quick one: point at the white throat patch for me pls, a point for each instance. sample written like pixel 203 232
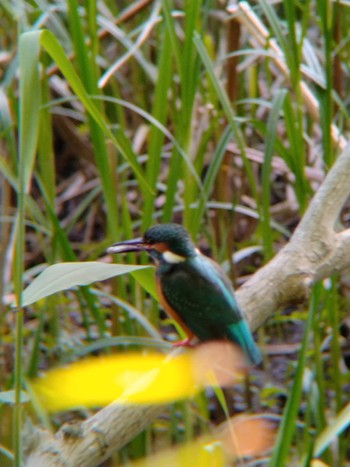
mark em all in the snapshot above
pixel 173 258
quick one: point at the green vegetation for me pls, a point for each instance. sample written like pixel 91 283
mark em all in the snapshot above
pixel 118 115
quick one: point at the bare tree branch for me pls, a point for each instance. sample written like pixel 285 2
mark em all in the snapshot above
pixel 314 252
pixel 90 442
pixel 327 203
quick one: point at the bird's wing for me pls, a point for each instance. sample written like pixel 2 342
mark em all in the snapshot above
pixel 201 294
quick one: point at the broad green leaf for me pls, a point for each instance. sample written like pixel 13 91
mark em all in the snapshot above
pixel 146 277
pixel 63 276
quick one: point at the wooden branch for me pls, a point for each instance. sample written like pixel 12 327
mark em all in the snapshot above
pixel 315 251
pixel 90 442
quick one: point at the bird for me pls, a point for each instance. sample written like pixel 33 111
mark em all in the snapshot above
pixel 193 289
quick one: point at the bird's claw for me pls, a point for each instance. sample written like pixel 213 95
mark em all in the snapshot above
pixel 188 342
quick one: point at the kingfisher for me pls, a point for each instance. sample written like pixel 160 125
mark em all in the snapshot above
pixel 193 289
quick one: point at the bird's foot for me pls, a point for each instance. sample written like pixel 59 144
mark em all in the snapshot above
pixel 188 342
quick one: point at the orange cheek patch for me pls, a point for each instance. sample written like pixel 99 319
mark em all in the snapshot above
pixel 161 247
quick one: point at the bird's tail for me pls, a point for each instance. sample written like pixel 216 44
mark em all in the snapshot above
pixel 240 334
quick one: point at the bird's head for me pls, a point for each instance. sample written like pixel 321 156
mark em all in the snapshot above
pixel 169 243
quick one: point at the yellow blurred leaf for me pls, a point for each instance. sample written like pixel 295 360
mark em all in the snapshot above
pixel 250 435
pixel 151 378
pixel 200 453
pixel 131 378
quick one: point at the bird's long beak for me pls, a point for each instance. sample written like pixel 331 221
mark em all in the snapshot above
pixel 136 244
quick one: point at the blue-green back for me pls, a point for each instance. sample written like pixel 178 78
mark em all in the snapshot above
pixel 202 295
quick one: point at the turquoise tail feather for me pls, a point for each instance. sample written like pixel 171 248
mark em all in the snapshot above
pixel 240 334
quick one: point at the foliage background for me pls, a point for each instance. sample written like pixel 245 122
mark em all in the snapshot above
pixel 181 115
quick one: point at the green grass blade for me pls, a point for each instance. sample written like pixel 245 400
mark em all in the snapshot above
pixel 226 105
pixel 189 58
pixel 54 49
pixel 338 425
pixel 30 101
pixel 170 27
pixel 189 67
pixel 325 10
pixel 189 87
pixel 132 312
pixel 160 110
pixel 122 341
pixel 7 126
pixel 196 221
pixel 290 13
pixel 86 58
pixel 30 94
pixel 296 160
pixel 289 421
pixel 46 156
pixel 277 29
pixel 271 136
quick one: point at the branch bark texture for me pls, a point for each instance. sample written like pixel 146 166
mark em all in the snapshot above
pixel 316 250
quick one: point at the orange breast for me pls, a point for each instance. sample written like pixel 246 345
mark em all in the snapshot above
pixel 172 313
